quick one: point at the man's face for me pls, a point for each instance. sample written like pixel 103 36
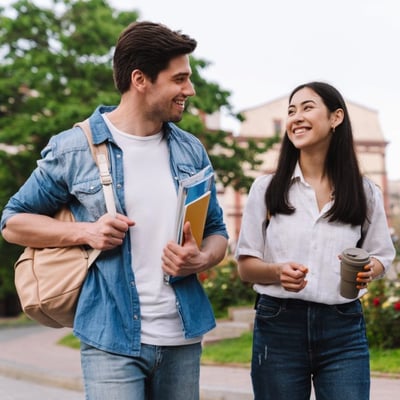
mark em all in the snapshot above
pixel 166 97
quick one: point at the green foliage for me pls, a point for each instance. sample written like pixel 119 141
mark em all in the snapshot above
pixel 55 68
pixel 229 150
pixel 225 289
pixel 382 313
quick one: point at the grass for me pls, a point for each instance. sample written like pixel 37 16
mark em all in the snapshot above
pixel 20 320
pixel 70 341
pixel 238 351
pixel 385 361
pixel 229 351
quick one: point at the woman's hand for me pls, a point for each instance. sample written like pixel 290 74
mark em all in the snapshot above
pixel 292 276
pixel 367 276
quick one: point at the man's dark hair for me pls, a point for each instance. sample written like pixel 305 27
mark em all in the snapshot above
pixel 149 47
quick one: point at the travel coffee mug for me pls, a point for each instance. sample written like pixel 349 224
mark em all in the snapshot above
pixel 353 261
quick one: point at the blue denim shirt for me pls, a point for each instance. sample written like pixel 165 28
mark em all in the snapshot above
pixel 108 312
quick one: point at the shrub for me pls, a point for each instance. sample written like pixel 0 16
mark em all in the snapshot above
pixel 225 288
pixel 382 313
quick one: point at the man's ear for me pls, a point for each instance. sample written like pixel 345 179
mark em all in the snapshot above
pixel 138 79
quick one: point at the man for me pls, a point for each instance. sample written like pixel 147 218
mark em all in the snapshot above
pixel 140 338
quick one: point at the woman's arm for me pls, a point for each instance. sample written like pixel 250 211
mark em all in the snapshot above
pixel 291 276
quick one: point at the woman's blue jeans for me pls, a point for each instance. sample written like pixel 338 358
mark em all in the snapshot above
pixel 296 342
pixel 160 372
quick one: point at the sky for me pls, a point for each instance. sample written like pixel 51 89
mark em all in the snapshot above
pixel 259 50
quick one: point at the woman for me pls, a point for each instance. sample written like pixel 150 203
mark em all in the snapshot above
pixel 317 202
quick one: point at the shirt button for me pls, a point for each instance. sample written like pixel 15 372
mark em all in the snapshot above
pixel 135 317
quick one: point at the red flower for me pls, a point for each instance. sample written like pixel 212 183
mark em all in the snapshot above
pixel 202 276
pixel 376 301
pixel 397 306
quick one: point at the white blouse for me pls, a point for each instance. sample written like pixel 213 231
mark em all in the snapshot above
pixel 307 238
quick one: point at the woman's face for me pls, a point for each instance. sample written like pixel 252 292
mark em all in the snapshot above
pixel 309 122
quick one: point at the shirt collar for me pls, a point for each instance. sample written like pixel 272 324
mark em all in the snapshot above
pixel 298 174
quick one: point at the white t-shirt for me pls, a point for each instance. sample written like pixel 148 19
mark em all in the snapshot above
pixel 151 201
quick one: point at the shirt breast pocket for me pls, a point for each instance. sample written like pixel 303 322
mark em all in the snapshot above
pixel 186 170
pixel 90 195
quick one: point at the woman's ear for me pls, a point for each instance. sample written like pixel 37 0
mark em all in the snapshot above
pixel 337 118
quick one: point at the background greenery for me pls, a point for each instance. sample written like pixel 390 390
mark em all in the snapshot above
pixel 225 289
pixel 382 313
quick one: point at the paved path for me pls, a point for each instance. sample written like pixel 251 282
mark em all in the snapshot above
pixel 16 389
pixel 31 355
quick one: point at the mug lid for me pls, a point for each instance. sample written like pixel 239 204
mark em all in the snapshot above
pixel 356 253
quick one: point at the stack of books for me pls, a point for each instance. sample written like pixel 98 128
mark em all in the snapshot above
pixel 193 199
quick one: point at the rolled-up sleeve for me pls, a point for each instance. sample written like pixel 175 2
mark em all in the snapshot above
pixel 378 242
pixel 251 238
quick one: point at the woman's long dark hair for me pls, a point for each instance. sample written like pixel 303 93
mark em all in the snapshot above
pixel 341 167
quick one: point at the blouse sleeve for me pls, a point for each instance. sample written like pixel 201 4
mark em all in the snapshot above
pixel 378 242
pixel 251 240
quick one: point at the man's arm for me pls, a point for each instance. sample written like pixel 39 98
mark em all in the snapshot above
pixel 40 231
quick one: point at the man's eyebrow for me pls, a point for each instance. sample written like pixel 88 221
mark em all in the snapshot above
pixel 181 74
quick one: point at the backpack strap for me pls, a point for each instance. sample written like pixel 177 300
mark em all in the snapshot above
pixel 100 155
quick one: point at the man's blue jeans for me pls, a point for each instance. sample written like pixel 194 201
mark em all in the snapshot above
pixel 160 372
pixel 297 341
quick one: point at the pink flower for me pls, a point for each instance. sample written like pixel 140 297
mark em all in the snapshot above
pixel 397 306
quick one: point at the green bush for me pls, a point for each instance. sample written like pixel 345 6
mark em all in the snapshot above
pixel 382 313
pixel 225 288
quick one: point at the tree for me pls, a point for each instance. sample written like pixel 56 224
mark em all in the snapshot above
pixel 55 68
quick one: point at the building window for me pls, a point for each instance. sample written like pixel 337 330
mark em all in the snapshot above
pixel 277 126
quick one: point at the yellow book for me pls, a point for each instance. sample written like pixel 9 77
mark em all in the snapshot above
pixel 194 195
pixel 196 214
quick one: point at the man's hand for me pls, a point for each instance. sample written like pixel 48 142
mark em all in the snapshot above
pixel 107 232
pixel 183 260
